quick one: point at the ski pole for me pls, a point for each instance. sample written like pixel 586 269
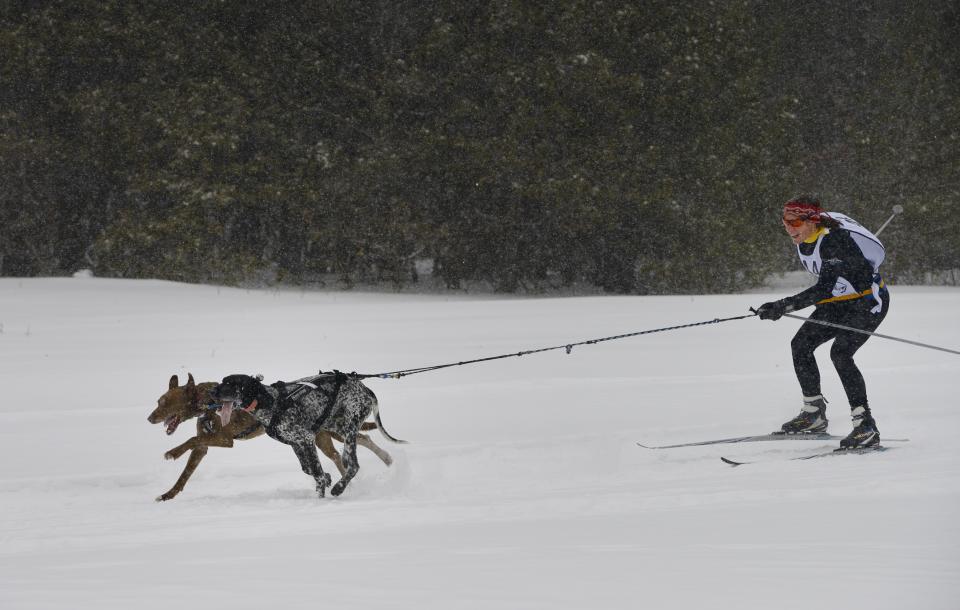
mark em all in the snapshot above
pixel 897 209
pixel 867 332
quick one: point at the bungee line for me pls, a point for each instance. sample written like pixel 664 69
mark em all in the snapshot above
pixel 567 346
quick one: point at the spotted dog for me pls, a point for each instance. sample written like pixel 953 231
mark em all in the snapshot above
pixel 181 403
pixel 293 412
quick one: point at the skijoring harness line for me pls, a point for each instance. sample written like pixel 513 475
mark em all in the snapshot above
pixel 568 347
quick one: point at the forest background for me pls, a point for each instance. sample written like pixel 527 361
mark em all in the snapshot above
pixel 628 147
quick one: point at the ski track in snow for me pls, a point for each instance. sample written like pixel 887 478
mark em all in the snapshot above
pixel 522 486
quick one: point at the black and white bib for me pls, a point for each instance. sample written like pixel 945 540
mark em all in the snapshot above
pixel 869 245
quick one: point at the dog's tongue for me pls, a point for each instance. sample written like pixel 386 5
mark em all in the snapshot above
pixel 226 410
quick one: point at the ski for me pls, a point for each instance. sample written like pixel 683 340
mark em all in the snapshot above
pixel 749 439
pixel 821 454
pixel 762 437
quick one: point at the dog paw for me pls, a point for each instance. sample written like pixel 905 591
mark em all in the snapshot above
pixel 337 489
pixel 323 482
pixel 170 455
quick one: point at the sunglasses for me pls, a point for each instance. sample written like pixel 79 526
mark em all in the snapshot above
pixel 794 222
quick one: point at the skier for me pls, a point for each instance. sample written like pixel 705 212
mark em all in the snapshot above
pixel 846 259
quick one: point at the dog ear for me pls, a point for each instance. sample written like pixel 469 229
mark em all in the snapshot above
pixel 251 386
pixel 190 382
pixel 174 382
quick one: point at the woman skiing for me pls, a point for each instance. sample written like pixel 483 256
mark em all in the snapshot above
pixel 846 259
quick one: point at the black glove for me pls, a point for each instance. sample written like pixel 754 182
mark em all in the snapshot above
pixel 772 311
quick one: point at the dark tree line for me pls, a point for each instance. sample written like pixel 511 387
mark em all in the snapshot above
pixel 637 147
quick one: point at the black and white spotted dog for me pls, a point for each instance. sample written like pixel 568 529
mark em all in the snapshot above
pixel 292 413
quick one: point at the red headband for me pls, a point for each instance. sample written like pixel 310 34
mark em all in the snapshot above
pixel 806 211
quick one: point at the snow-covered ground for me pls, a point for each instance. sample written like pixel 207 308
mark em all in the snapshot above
pixel 522 486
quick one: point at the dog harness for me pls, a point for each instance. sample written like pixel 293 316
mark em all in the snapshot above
pixel 285 400
pixel 338 379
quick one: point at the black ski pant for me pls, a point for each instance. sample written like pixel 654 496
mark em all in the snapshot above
pixel 855 314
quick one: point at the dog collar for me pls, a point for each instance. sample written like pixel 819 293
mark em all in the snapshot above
pixel 250 408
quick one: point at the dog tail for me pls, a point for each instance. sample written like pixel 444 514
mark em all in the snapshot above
pixel 384 432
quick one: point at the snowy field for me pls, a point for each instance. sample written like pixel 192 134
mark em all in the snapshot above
pixel 522 485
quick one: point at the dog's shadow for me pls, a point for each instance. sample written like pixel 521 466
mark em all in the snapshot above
pixel 262 496
pixel 388 482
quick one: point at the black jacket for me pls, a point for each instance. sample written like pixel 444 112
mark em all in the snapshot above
pixel 841 257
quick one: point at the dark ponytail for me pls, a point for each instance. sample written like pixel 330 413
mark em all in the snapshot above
pixel 830 223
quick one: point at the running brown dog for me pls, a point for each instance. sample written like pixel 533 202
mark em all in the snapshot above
pixel 181 403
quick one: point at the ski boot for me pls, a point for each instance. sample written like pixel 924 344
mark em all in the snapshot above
pixel 812 419
pixel 865 433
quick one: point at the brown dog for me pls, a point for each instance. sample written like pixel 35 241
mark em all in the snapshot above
pixel 180 403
